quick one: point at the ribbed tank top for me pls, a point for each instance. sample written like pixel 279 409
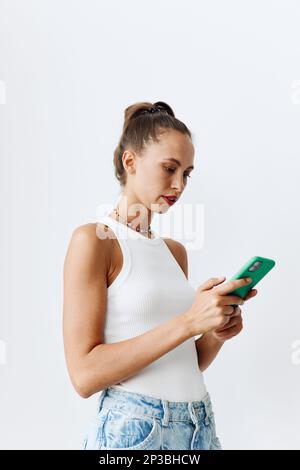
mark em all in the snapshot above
pixel 151 289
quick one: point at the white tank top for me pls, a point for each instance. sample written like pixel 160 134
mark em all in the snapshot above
pixel 150 289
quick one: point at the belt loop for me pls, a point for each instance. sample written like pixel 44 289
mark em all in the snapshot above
pixel 166 416
pixel 206 407
pixel 192 412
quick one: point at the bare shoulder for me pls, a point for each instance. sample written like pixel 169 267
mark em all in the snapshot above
pixel 90 242
pixel 93 232
pixel 178 250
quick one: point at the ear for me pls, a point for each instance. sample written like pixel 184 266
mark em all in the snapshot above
pixel 128 159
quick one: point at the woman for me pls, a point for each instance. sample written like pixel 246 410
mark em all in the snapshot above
pixel 131 317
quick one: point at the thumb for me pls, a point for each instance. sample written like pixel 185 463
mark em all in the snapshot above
pixel 210 283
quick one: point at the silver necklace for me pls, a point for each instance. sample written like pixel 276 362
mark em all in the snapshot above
pixel 130 226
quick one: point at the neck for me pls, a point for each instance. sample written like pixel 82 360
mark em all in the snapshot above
pixel 131 211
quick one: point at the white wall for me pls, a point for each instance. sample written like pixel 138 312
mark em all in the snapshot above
pixel 231 72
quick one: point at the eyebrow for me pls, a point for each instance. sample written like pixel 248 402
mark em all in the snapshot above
pixel 178 162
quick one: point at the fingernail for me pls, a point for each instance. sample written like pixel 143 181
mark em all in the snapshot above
pixel 248 279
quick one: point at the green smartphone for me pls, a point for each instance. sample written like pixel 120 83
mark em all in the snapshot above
pixel 256 268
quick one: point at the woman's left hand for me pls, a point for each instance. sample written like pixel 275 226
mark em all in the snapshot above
pixel 235 324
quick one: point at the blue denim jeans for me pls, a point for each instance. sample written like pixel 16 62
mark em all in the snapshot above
pixel 132 421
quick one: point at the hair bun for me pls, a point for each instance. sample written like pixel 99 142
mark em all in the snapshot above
pixel 159 106
pixel 162 106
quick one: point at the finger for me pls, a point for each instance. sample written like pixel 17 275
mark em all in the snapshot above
pixel 237 312
pixel 210 283
pixel 251 293
pixel 227 320
pixel 231 300
pixel 232 285
pixel 226 335
pixel 233 316
pixel 227 327
pixel 229 310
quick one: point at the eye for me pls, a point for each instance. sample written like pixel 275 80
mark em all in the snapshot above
pixel 169 169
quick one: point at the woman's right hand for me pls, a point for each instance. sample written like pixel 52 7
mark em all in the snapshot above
pixel 213 306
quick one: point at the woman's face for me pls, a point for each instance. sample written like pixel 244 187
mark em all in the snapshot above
pixel 157 175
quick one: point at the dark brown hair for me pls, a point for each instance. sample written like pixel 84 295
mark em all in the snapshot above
pixel 141 126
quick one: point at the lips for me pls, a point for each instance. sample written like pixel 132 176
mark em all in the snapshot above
pixel 170 199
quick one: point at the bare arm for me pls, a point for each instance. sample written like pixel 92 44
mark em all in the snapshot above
pixel 207 349
pixel 92 364
pixel 107 364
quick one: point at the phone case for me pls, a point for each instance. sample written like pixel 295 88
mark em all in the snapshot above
pixel 262 265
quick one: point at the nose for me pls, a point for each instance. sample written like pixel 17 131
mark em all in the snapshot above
pixel 178 183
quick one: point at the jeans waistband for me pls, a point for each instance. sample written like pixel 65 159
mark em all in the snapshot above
pixel 138 405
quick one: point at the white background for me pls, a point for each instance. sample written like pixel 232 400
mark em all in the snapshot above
pixel 231 72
